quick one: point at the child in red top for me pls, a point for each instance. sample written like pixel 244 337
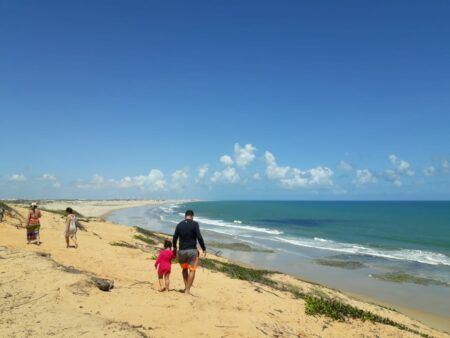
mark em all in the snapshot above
pixel 164 264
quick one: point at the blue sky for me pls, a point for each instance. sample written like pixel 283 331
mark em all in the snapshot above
pixel 309 100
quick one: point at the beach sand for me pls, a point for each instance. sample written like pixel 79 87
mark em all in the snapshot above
pixel 98 208
pixel 47 290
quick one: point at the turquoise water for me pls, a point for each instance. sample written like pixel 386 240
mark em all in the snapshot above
pixel 414 231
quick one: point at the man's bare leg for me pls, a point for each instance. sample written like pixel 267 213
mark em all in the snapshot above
pixel 185 278
pixel 190 281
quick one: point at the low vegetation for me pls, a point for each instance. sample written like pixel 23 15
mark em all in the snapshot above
pixel 314 305
pixel 63 213
pixel 123 244
pixel 144 239
pixel 150 234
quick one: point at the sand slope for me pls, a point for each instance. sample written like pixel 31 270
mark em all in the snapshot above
pixel 41 296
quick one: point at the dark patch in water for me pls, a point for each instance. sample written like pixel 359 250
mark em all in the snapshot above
pixel 352 265
pixel 403 277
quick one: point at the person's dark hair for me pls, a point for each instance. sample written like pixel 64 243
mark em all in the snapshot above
pixel 69 210
pixel 189 213
pixel 167 244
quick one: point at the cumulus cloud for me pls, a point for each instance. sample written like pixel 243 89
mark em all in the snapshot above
pixel 318 176
pixel 17 178
pixel 429 171
pixel 226 160
pixel 256 176
pixel 244 155
pixel 344 166
pixel 202 171
pixel 273 171
pixel 445 166
pixel 179 179
pixel 228 175
pixel 401 166
pixel 363 177
pixel 153 181
pixel 296 178
pixel 51 179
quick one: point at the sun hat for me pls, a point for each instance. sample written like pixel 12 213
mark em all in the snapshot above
pixel 34 204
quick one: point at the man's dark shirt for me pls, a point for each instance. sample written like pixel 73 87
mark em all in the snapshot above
pixel 189 232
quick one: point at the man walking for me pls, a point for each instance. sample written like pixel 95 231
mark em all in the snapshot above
pixel 188 231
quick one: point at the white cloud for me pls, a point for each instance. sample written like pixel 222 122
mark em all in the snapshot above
pixel 17 178
pixel 216 176
pixel 401 166
pixel 429 171
pixel 179 179
pixel 256 176
pixel 273 171
pixel 96 182
pixel 445 166
pixel 244 155
pixel 228 175
pixel 363 177
pixel 231 175
pixel 50 178
pixel 202 171
pixel 344 166
pixel 153 181
pixel 318 176
pixel 226 160
pixel 295 178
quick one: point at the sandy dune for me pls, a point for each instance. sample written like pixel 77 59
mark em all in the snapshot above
pixel 47 290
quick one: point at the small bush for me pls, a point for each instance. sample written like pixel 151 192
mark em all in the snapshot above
pixel 123 244
pixel 145 239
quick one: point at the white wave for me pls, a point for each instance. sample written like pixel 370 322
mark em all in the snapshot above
pixel 236 221
pixel 224 224
pixel 420 256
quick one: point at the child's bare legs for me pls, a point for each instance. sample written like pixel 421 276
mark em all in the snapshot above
pixel 161 283
pixel 67 241
pixel 74 239
pixel 167 280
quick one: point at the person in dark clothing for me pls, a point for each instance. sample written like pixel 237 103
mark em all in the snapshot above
pixel 188 232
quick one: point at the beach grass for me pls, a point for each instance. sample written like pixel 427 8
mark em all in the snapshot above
pixel 63 213
pixel 5 206
pixel 123 244
pixel 145 239
pixel 314 305
pixel 238 272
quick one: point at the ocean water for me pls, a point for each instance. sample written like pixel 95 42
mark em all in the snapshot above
pixel 409 231
pixel 377 239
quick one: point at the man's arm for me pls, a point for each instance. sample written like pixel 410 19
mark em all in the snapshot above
pixel 200 238
pixel 175 238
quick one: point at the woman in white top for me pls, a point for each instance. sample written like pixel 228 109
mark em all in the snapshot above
pixel 71 228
